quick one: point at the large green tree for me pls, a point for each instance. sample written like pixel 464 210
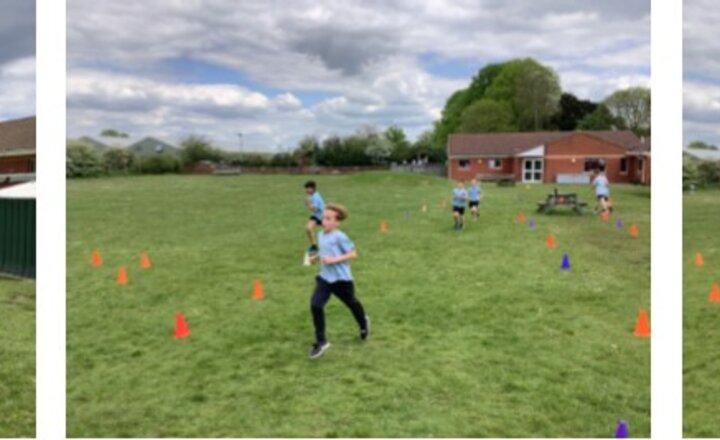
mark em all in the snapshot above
pixel 601 119
pixel 633 106
pixel 572 110
pixel 488 115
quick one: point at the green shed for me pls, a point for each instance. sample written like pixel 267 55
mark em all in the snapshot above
pixel 17 230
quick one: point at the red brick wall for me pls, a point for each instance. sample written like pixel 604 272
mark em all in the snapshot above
pixel 559 157
pixel 478 166
pixel 22 164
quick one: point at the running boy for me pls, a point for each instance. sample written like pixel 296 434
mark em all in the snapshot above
pixel 336 251
pixel 474 194
pixel 316 205
pixel 459 197
pixel 602 190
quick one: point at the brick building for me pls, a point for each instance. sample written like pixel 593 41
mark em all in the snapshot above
pixel 550 157
pixel 17 151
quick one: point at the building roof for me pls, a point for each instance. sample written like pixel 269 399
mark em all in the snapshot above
pixel 20 191
pixel 702 154
pixel 152 145
pixel 17 136
pixel 512 144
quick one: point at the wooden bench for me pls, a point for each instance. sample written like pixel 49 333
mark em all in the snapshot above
pixel 556 199
pixel 500 179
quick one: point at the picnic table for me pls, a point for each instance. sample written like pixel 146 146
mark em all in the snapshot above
pixel 556 199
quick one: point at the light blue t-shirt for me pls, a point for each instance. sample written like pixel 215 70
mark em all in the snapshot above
pixel 459 196
pixel 601 186
pixel 318 204
pixel 334 244
pixel 474 193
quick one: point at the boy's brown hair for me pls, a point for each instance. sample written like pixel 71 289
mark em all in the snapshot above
pixel 341 212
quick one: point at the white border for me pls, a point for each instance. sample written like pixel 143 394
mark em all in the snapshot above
pixel 666 208
pixel 50 106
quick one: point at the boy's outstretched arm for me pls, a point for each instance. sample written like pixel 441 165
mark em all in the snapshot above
pixel 340 258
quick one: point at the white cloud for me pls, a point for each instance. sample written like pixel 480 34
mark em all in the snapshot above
pixel 17 93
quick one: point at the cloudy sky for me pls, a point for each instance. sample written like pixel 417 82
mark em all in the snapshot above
pixel 701 71
pixel 275 71
pixel 17 58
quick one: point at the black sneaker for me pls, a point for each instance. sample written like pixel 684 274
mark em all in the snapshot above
pixel 312 250
pixel 318 349
pixel 365 332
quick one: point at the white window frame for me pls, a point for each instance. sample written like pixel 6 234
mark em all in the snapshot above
pixel 533 169
pixel 495 164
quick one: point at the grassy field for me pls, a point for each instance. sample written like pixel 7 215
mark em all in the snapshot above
pixel 701 329
pixel 17 358
pixel 475 334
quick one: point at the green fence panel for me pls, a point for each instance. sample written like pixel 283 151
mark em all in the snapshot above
pixel 17 237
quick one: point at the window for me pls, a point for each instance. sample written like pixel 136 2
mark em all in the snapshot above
pixel 464 164
pixel 623 165
pixel 495 164
pixel 594 164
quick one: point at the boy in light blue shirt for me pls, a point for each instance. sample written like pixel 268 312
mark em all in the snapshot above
pixel 474 195
pixel 459 197
pixel 335 252
pixel 602 189
pixel 316 205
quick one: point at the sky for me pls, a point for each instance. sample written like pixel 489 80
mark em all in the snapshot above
pixel 17 58
pixel 260 75
pixel 701 71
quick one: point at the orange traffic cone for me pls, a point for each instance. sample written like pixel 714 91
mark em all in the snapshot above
pixel 714 293
pixel 181 328
pixel 642 326
pixel 521 217
pixel 383 227
pixel 606 215
pixel 145 261
pixel 122 277
pixel 699 261
pixel 550 242
pixel 633 231
pixel 258 293
pixel 96 258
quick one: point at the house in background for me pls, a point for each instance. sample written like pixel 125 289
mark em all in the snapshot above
pixel 550 157
pixel 17 151
pixel 139 146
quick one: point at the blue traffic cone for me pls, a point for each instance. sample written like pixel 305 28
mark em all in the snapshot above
pixel 565 262
pixel 622 430
pixel 619 224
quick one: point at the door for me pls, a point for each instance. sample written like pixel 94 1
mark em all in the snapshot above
pixel 532 170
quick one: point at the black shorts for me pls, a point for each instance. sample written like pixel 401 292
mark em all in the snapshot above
pixel 459 209
pixel 606 198
pixel 317 220
pixel 474 204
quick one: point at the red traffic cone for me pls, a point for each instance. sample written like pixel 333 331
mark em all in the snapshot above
pixel 714 293
pixel 181 328
pixel 699 261
pixel 642 325
pixel 145 261
pixel 258 293
pixel 96 258
pixel 122 277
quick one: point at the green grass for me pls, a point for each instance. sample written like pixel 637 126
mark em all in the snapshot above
pixel 476 334
pixel 17 358
pixel 701 329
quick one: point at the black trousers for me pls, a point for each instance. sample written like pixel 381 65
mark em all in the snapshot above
pixel 345 290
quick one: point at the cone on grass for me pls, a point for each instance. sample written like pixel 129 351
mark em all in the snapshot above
pixel 622 430
pixel 605 216
pixel 642 325
pixel 258 292
pixel 383 227
pixel 122 276
pixel 531 223
pixel 96 258
pixel 145 261
pixel 699 261
pixel 181 328
pixel 714 296
pixel 550 242
pixel 619 224
pixel 633 231
pixel 521 217
pixel 565 265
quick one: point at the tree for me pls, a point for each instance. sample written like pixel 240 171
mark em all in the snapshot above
pixel 379 150
pixel 111 132
pixel 700 145
pixel 633 106
pixel 81 161
pixel 426 147
pixel 532 89
pixel 306 152
pixel 572 110
pixel 601 119
pixel 118 159
pixel 400 144
pixel 194 149
pixel 487 116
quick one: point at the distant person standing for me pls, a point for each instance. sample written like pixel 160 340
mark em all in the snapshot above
pixel 460 195
pixel 316 205
pixel 602 189
pixel 474 196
